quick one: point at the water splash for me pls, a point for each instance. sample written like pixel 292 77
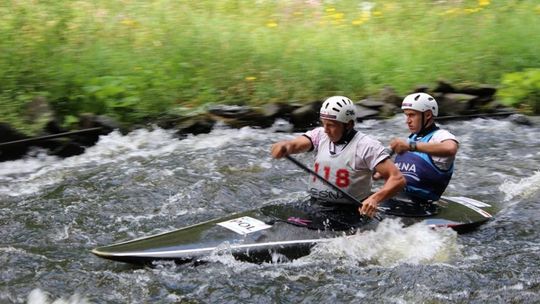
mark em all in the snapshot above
pixel 392 244
pixel 30 175
pixel 38 296
pixel 524 188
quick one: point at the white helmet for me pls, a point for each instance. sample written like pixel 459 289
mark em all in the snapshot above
pixel 338 108
pixel 420 102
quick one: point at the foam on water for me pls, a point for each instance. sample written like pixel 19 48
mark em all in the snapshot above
pixel 524 188
pixel 222 137
pixel 388 245
pixel 30 175
pixel 35 172
pixel 391 244
pixel 38 296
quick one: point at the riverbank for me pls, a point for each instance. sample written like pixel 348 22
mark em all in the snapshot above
pixel 455 103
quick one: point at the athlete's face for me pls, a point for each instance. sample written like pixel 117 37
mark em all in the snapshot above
pixel 414 119
pixel 334 129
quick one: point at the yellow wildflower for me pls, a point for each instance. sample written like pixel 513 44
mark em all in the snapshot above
pixel 473 10
pixel 365 15
pixel 453 11
pixel 129 22
pixel 338 16
pixel 251 78
pixel 484 2
pixel 389 6
pixel 271 24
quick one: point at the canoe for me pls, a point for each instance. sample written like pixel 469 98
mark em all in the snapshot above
pixel 284 232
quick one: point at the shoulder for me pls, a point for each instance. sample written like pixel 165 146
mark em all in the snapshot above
pixel 369 152
pixel 315 135
pixel 370 149
pixel 442 135
pixel 314 132
pixel 367 141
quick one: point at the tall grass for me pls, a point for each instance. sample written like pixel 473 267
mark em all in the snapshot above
pixel 135 59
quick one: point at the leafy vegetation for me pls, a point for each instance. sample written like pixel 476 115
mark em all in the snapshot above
pixel 522 89
pixel 138 59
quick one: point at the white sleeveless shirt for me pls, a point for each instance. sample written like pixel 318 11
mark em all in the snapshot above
pixel 350 169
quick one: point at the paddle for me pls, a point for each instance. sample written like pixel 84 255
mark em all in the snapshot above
pixel 347 195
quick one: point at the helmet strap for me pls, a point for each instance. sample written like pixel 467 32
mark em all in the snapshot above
pixel 426 126
pixel 348 134
pixel 424 131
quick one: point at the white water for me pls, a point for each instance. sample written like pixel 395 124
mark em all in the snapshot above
pixel 392 244
pixel 524 187
pixel 37 296
pixel 53 211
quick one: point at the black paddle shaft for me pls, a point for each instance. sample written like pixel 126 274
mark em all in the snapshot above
pixel 347 195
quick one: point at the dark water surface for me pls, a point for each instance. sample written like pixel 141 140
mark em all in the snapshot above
pixel 53 212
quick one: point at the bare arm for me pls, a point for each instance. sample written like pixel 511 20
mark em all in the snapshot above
pixel 394 182
pixel 293 146
pixel 445 149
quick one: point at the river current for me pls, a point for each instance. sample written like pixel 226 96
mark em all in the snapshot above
pixel 54 211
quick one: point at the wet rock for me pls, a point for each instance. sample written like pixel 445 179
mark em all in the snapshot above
pixel 8 133
pixel 370 103
pixel 229 111
pixel 169 121
pixel 61 147
pixel 199 124
pixel 279 110
pixel 484 95
pixel 453 103
pixel 484 92
pixel 106 123
pixel 87 121
pixel 520 119
pixel 389 96
pixel 306 117
pixel 282 125
pixel 365 113
pixel 535 120
pixel 444 87
pixel 11 151
pixel 65 143
pixel 389 110
pixel 53 127
pixel 240 116
pixel 68 149
pixel 421 89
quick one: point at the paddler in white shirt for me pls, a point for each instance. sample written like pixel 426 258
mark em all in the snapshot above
pixel 345 157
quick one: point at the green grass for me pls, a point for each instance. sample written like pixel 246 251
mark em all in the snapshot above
pixel 136 59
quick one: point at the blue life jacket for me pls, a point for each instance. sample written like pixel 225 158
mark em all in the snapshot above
pixel 424 179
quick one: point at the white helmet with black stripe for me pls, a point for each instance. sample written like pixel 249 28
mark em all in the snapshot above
pixel 420 102
pixel 339 108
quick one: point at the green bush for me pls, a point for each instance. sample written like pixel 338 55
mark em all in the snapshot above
pixel 521 89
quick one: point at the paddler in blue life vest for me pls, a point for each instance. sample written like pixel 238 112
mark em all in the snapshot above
pixel 345 157
pixel 426 158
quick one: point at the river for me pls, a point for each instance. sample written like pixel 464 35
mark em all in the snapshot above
pixel 54 211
